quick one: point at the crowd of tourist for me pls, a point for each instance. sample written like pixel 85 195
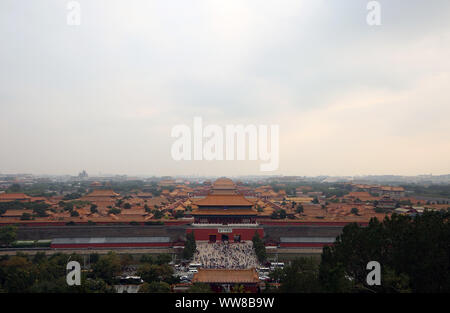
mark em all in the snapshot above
pixel 226 255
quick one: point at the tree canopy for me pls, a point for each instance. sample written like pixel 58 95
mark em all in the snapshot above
pixel 413 252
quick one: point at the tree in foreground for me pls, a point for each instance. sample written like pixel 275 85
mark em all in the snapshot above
pixel 107 267
pixel 200 288
pixel 301 276
pixel 414 255
pixel 155 287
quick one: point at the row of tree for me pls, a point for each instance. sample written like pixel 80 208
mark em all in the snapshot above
pixel 414 254
pixel 41 273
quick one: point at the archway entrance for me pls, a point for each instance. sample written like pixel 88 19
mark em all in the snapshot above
pixel 225 238
pixel 212 238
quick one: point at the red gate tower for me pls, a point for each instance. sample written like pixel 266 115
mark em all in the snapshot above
pixel 224 215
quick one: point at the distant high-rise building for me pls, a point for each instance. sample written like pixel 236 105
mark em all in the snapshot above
pixel 83 174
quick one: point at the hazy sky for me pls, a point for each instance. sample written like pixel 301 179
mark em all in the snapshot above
pixel 103 96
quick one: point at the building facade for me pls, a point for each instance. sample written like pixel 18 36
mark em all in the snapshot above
pixel 224 215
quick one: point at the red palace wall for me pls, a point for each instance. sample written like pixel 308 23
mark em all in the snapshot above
pixel 279 223
pixel 245 233
pixel 110 245
pixel 303 245
pixel 79 223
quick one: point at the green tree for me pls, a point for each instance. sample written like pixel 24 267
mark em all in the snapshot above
pixel 189 246
pixel 147 258
pixel 149 272
pixel 94 208
pixel 157 214
pixel 199 288
pixel 16 274
pixel 413 253
pixel 107 267
pixel 163 258
pixel 40 209
pixel 14 188
pixel 68 206
pixel 301 276
pixel 114 211
pixel 26 216
pixel 8 234
pixel 154 273
pixel 155 287
pixel 260 248
pixel 277 274
pixel 238 289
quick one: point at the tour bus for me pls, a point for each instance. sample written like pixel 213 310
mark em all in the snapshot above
pixel 130 280
pixel 275 265
pixel 264 278
pixel 195 266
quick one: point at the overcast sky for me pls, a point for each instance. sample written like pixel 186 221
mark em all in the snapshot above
pixel 103 96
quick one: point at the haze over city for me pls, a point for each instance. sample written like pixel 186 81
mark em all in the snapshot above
pixel 350 99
